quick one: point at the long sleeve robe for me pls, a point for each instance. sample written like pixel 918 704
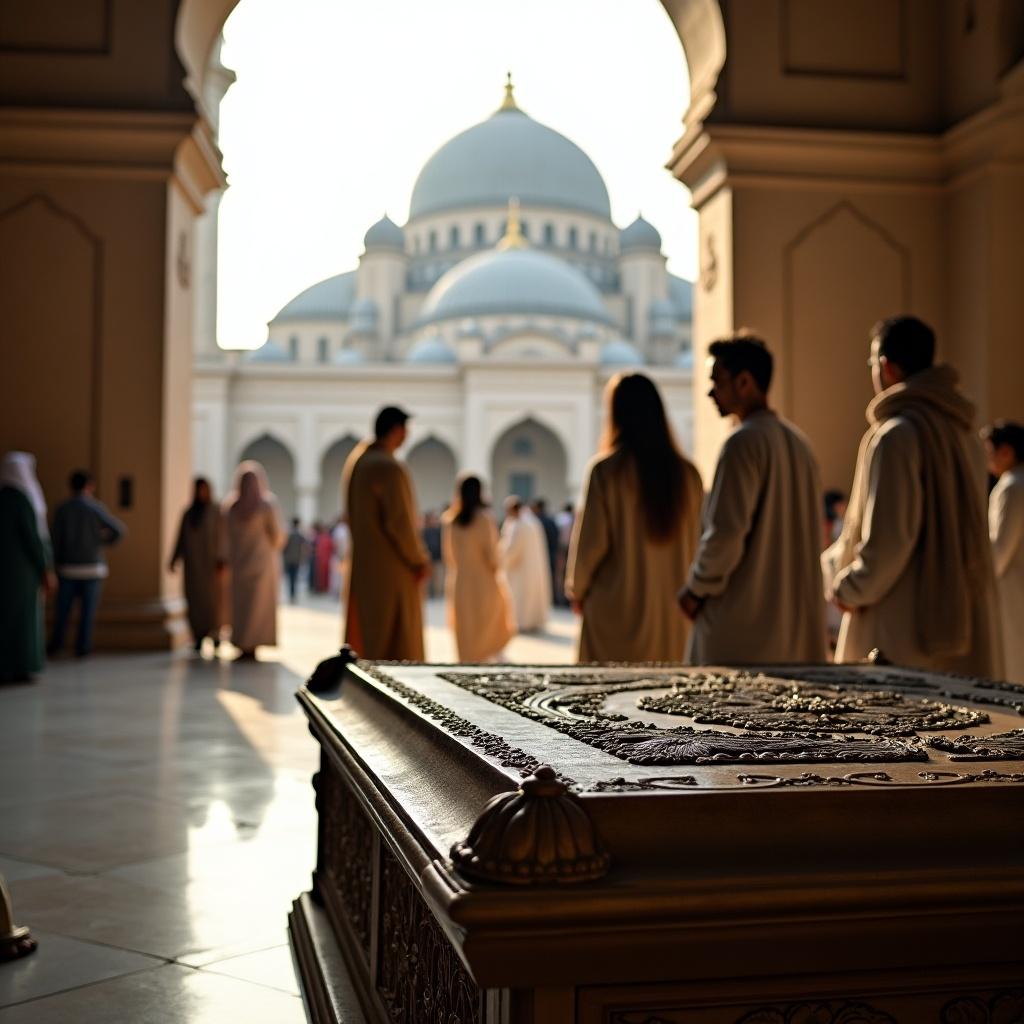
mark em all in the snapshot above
pixel 627 583
pixel 200 549
pixel 253 545
pixel 479 604
pixel 876 565
pixel 384 611
pixel 757 562
pixel 524 555
pixel 1006 531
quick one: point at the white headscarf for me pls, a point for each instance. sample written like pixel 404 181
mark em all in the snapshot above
pixel 18 470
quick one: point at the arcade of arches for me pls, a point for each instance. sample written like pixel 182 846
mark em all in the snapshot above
pixel 848 159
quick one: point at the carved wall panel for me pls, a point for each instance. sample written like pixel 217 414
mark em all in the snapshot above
pixel 50 292
pixel 420 979
pixel 348 855
pixel 849 38
pixel 841 274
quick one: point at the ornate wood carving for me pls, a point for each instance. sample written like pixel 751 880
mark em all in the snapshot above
pixel 1005 1007
pixel 834 1012
pixel 348 854
pixel 420 979
pixel 539 833
pixel 1000 746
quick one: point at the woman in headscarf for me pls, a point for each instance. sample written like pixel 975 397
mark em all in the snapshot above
pixel 255 537
pixel 25 557
pixel 200 549
pixel 479 605
pixel 636 533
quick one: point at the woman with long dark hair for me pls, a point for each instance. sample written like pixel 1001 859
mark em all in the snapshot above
pixel 636 532
pixel 200 550
pixel 479 608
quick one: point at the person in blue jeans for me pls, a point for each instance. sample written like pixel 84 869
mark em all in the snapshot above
pixel 82 527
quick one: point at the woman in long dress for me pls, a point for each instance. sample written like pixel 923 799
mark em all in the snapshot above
pixel 479 606
pixel 635 534
pixel 524 555
pixel 200 549
pixel 25 557
pixel 255 537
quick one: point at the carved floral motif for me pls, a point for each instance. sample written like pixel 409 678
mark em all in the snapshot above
pixel 1000 746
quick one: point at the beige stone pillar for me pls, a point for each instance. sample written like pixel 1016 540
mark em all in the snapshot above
pixel 850 161
pixel 104 165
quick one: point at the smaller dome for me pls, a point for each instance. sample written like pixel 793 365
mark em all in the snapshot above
pixel 641 234
pixel 270 352
pixel 430 350
pixel 385 234
pixel 684 361
pixel 470 329
pixel 620 353
pixel 347 357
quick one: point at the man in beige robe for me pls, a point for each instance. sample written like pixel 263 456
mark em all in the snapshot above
pixel 1004 446
pixel 754 589
pixel 384 613
pixel 912 569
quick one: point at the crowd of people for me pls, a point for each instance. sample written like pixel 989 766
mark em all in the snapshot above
pixel 916 565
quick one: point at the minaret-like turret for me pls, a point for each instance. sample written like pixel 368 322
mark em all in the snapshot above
pixel 381 280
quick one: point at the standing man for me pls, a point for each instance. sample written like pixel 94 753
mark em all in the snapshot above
pixel 912 569
pixel 82 526
pixel 754 590
pixel 294 554
pixel 384 615
pixel 1004 446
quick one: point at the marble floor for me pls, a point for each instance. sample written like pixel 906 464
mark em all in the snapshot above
pixel 156 821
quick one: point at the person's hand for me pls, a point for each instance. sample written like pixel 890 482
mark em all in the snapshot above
pixel 690 604
pixel 49 583
pixel 577 607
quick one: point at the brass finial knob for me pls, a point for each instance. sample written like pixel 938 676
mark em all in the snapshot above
pixel 538 834
pixel 513 237
pixel 509 102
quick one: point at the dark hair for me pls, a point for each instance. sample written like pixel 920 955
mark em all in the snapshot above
pixel 905 341
pixel 79 480
pixel 295 522
pixel 195 510
pixel 469 501
pixel 744 352
pixel 1005 432
pixel 832 498
pixel 387 419
pixel 635 422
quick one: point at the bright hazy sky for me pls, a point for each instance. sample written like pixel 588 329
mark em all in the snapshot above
pixel 338 105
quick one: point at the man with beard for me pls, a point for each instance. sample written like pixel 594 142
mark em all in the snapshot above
pixel 912 569
pixel 754 589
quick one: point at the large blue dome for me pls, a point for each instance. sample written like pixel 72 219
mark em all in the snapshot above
pixel 509 155
pixel 524 281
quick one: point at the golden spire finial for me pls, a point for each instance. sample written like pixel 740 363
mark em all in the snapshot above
pixel 509 102
pixel 514 237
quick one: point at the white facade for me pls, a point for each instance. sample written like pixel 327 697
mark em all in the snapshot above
pixel 496 316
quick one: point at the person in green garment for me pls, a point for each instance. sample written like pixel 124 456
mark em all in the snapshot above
pixel 25 556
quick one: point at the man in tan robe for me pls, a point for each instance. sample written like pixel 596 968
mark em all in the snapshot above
pixel 912 569
pixel 384 619
pixel 754 589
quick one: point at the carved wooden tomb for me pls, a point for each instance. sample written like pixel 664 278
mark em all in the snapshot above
pixel 653 845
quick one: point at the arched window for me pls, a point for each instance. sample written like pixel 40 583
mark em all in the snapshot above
pixel 574 239
pixel 549 234
pixel 322 349
pixel 524 229
pixel 479 234
pixel 453 237
pixel 293 347
pixel 593 241
pixel 432 241
pixel 416 243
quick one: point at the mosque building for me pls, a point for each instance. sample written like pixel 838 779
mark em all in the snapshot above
pixel 495 315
